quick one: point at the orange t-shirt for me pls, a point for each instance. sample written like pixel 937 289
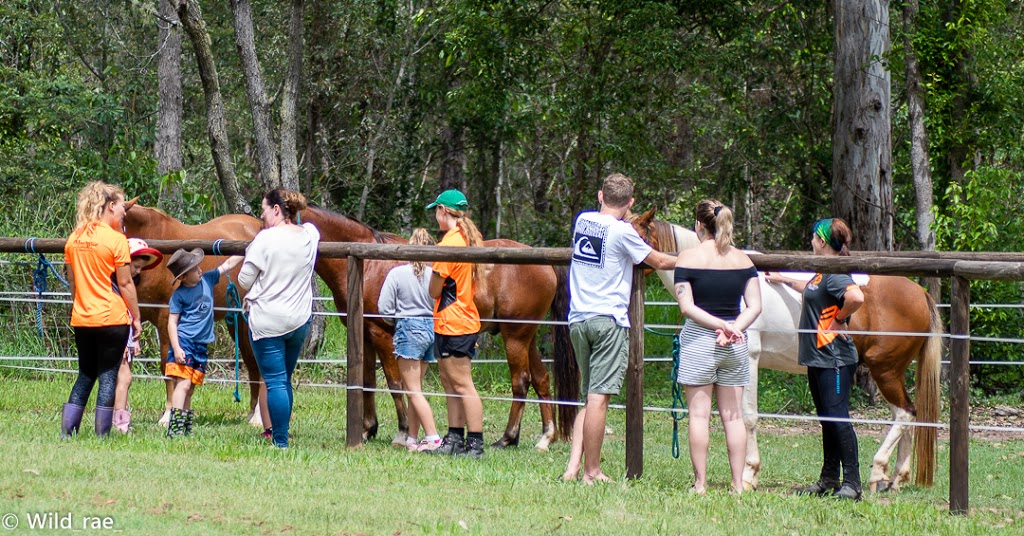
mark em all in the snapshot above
pixel 94 252
pixel 455 312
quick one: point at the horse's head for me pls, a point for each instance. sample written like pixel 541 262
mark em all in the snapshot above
pixel 658 234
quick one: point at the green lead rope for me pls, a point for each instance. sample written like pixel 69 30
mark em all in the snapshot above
pixel 234 303
pixel 678 405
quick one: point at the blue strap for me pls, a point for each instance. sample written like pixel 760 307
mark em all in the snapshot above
pixel 234 302
pixel 40 283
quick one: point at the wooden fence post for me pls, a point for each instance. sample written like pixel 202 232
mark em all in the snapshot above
pixel 354 323
pixel 959 411
pixel 635 379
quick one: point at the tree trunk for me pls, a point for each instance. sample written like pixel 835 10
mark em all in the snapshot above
pixel 453 161
pixel 861 135
pixel 290 101
pixel 259 104
pixel 169 107
pixel 920 166
pixel 192 19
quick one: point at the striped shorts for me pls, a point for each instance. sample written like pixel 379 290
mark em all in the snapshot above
pixel 703 362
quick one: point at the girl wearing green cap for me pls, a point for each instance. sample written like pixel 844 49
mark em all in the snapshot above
pixel 456 324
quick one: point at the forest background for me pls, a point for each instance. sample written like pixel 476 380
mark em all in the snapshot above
pixel 372 107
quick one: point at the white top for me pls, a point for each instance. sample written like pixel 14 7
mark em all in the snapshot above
pixel 404 296
pixel 601 272
pixel 278 269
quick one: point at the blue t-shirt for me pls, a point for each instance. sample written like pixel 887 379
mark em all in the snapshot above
pixel 195 305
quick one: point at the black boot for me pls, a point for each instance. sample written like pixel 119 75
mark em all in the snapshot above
pixel 189 415
pixel 474 448
pixel 452 445
pixel 848 491
pixel 176 426
pixel 820 488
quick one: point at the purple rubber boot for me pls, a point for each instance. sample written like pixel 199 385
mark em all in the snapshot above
pixel 70 420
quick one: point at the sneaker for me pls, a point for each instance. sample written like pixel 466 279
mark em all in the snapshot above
pixel 268 433
pixel 451 445
pixel 819 488
pixel 474 448
pixel 428 445
pixel 848 491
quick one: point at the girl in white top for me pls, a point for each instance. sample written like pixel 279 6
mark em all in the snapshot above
pixel 279 305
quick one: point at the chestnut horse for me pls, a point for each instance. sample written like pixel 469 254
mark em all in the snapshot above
pixel 157 285
pixel 891 304
pixel 513 292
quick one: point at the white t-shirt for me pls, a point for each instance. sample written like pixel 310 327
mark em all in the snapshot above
pixel 277 271
pixel 601 272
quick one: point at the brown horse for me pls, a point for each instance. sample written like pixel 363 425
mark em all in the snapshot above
pixel 157 285
pixel 891 304
pixel 513 292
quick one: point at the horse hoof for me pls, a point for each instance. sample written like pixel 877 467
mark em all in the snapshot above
pixel 747 486
pixel 503 443
pixel 879 487
pixel 371 432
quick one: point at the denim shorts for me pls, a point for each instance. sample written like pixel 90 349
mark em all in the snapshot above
pixel 414 339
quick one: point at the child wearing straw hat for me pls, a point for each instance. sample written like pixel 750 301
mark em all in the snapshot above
pixel 190 330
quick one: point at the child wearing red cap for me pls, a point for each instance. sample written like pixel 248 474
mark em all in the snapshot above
pixel 143 258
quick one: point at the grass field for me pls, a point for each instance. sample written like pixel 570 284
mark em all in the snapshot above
pixel 227 480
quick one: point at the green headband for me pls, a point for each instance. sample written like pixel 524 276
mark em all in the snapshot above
pixel 823 228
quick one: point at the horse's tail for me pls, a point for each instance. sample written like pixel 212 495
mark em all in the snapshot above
pixel 565 371
pixel 927 398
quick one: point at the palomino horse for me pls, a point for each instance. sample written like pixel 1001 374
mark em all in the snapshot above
pixel 157 285
pixel 891 304
pixel 513 292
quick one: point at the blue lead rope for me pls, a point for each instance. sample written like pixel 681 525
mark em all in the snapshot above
pixel 234 303
pixel 39 281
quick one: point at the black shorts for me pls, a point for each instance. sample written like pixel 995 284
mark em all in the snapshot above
pixel 454 345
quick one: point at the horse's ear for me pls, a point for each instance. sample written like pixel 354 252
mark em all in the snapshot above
pixel 646 218
pixel 130 203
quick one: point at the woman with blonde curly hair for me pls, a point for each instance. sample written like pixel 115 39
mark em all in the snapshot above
pixel 95 252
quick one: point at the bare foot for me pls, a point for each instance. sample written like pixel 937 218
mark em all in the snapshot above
pixel 697 490
pixel 571 476
pixel 599 477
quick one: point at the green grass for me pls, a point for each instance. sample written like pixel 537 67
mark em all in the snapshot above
pixel 226 480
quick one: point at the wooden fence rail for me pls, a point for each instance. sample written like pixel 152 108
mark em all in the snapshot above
pixel 959 266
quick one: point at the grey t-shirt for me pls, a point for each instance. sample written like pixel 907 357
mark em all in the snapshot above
pixel 404 295
pixel 823 298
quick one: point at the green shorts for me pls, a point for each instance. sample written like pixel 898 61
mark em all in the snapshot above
pixel 602 350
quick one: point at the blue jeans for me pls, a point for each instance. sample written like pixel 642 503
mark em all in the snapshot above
pixel 276 357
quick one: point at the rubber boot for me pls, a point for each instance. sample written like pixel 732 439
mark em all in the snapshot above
pixel 189 415
pixel 104 420
pixel 176 425
pixel 122 420
pixel 70 420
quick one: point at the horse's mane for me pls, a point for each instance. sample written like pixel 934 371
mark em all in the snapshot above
pixel 378 236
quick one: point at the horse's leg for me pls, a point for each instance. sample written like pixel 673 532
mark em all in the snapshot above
pixel 901 472
pixel 517 353
pixel 255 416
pixel 370 423
pixel 542 386
pixel 393 377
pixel 880 463
pixel 165 346
pixel 752 467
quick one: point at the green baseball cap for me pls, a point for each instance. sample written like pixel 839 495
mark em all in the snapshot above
pixel 452 199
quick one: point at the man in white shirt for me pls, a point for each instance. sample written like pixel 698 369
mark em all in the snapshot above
pixel 605 248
